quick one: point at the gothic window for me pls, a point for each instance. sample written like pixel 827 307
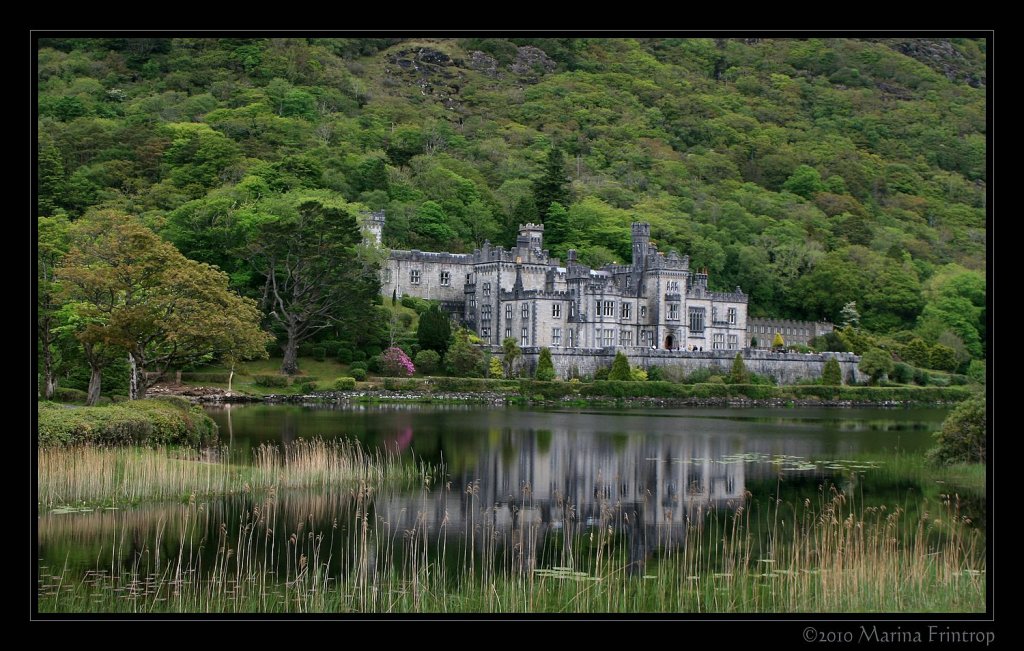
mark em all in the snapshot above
pixel 556 336
pixel 487 290
pixel 696 319
pixel 625 337
pixel 556 310
pixel 627 309
pixel 673 312
pixel 734 342
pixel 609 337
pixel 525 340
pixel 414 276
pixel 508 311
pixel 718 341
pixel 731 315
pixel 446 278
pixel 526 311
pixel 508 331
pixel 609 308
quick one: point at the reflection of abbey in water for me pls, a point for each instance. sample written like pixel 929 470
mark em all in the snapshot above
pixel 649 489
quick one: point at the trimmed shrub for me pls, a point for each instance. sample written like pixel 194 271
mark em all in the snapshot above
pixel 359 356
pixel 60 394
pixel 373 365
pixel 427 361
pixel 359 374
pixel 362 365
pixel 331 347
pixel 344 355
pixel 270 380
pixel 308 387
pixel 345 384
pixel 902 373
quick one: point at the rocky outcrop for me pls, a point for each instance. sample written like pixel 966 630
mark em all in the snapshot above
pixel 531 61
pixel 435 73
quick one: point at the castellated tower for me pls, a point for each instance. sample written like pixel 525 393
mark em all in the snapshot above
pixel 641 243
pixel 374 225
pixel 531 236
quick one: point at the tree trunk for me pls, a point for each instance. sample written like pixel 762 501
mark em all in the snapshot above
pixel 95 379
pixel 136 386
pixel 290 365
pixel 231 376
pixel 48 378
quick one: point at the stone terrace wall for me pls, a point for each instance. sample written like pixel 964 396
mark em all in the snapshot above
pixel 786 368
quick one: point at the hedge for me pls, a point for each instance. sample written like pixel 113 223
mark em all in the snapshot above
pixel 359 374
pixel 162 420
pixel 269 380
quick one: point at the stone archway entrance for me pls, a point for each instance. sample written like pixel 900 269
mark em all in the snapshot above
pixel 669 342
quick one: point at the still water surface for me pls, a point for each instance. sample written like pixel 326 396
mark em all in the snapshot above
pixel 509 467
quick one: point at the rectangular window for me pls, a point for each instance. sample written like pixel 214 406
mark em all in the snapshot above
pixel 572 309
pixel 731 315
pixel 609 337
pixel 571 336
pixel 487 290
pixel 673 312
pixel 485 332
pixel 714 314
pixel 446 278
pixel 717 341
pixel 625 337
pixel 387 276
pixel 609 308
pixel 414 276
pixel 485 313
pixel 556 336
pixel 626 310
pixel 643 311
pixel 526 311
pixel 696 319
pixel 525 338
pixel 508 311
pixel 508 331
pixel 734 342
pixel 556 310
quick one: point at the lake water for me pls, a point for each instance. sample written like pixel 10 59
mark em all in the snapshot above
pixel 515 481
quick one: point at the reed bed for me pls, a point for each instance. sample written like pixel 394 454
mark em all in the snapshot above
pixel 447 551
pixel 89 475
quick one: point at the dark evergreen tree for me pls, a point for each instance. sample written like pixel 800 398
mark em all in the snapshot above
pixel 832 375
pixel 739 374
pixel 552 186
pixel 435 330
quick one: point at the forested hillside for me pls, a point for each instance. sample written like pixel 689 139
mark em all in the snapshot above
pixel 811 173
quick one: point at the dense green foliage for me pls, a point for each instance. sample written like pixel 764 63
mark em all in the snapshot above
pixel 876 363
pixel 427 361
pixel 812 173
pixel 738 373
pixel 154 421
pixel 964 435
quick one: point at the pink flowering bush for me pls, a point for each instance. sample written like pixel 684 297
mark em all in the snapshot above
pixel 394 361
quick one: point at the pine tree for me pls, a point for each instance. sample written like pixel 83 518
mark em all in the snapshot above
pixel 620 368
pixel 552 187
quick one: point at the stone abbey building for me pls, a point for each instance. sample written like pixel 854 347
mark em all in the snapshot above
pixel 654 303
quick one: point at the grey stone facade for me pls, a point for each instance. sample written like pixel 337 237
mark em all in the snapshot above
pixel 793 332
pixel 656 309
pixel 655 302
